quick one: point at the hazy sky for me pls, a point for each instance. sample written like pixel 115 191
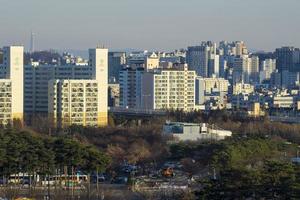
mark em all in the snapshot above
pixel 151 24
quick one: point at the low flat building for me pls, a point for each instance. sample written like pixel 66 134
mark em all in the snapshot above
pixel 181 131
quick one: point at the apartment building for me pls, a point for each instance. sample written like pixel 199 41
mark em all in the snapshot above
pixel 5 101
pixel 37 78
pixel 74 102
pixel 11 85
pixel 130 87
pixel 168 89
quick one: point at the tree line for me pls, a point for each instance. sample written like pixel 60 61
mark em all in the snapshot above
pixel 253 167
pixel 26 152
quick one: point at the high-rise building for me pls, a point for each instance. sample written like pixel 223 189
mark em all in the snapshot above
pixel 240 48
pixel 36 83
pixel 289 79
pixel 130 87
pixel 168 89
pixel 253 69
pixel 214 66
pixel 203 59
pixel 99 63
pixel 11 80
pixel 116 61
pixel 288 59
pixel 75 102
pixel 268 66
pixel 240 68
pixel 246 69
pixel 37 78
pixel 237 48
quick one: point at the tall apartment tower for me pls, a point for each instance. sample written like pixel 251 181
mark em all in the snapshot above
pixel 74 102
pixel 11 75
pixel 116 61
pixel 168 89
pixel 253 69
pixel 268 66
pixel 288 59
pixel 203 59
pixel 98 60
pixel 130 87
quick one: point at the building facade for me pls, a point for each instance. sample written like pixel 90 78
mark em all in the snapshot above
pixel 130 87
pixel 116 61
pixel 11 80
pixel 74 102
pixel 37 78
pixel 206 88
pixel 203 59
pixel 168 89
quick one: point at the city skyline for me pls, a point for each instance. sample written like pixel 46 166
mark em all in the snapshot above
pixel 155 25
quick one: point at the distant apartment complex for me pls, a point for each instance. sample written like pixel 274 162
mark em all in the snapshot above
pixel 207 76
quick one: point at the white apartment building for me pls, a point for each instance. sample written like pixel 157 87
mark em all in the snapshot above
pixel 168 89
pixel 253 69
pixel 245 69
pixel 11 81
pixel 74 102
pixel 268 66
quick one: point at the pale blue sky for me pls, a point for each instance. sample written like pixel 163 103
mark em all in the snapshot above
pixel 152 24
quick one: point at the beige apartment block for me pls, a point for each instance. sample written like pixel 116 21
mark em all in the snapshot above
pixel 169 89
pixel 75 102
pixel 11 74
